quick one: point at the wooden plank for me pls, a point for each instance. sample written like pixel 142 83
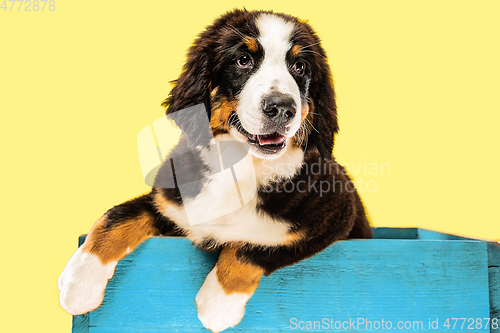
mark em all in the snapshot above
pixel 494 281
pixel 156 285
pixel 400 280
pixel 81 239
pixel 413 233
pixel 395 233
pixel 395 280
pixel 425 234
pixel 81 324
pixel 390 233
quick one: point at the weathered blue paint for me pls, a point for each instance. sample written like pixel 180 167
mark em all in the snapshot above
pixel 395 233
pixel 494 280
pixel 398 276
pixel 81 324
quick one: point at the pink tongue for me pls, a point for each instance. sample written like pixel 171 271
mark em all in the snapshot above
pixel 272 139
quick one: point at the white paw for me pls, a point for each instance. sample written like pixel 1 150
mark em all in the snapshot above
pixel 217 310
pixel 83 281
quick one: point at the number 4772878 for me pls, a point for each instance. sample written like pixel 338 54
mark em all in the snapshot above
pixel 29 6
pixel 471 323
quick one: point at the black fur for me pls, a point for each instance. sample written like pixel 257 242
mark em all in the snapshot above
pixel 131 209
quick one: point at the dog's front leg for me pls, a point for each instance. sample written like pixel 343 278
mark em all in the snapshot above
pixel 223 296
pixel 113 236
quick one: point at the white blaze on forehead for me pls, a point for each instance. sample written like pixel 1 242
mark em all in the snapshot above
pixel 274 37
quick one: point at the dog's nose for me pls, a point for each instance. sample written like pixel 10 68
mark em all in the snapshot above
pixel 280 108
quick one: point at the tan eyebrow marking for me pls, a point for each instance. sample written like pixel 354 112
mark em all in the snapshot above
pixel 251 43
pixel 296 50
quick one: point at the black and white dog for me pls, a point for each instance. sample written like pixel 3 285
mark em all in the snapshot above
pixel 264 83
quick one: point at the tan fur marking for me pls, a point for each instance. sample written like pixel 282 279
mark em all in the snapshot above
pixel 306 112
pixel 213 92
pixel 236 276
pixel 251 43
pixel 295 50
pixel 110 244
pixel 160 201
pixel 220 116
pixel 294 238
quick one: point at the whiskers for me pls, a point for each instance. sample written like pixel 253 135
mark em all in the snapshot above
pixel 310 124
pixel 240 34
pixel 236 122
pixel 311 51
pixel 305 47
pixel 233 119
pixel 237 31
pixel 302 136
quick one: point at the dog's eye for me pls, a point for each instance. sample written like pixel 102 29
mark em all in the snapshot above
pixel 244 61
pixel 299 67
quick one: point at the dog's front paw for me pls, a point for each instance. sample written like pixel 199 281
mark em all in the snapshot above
pixel 216 309
pixel 83 281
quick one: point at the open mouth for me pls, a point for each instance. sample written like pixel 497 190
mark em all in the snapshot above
pixel 267 143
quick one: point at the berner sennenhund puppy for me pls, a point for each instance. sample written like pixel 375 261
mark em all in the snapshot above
pixel 253 175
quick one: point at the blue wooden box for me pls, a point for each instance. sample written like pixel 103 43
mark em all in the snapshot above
pixel 403 280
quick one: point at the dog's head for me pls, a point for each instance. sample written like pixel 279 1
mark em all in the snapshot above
pixel 264 80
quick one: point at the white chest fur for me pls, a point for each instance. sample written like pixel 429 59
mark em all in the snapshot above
pixel 225 210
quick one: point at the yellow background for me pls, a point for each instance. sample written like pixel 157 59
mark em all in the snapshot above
pixel 417 84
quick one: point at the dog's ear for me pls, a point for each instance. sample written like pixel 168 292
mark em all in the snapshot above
pixel 188 104
pixel 322 103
